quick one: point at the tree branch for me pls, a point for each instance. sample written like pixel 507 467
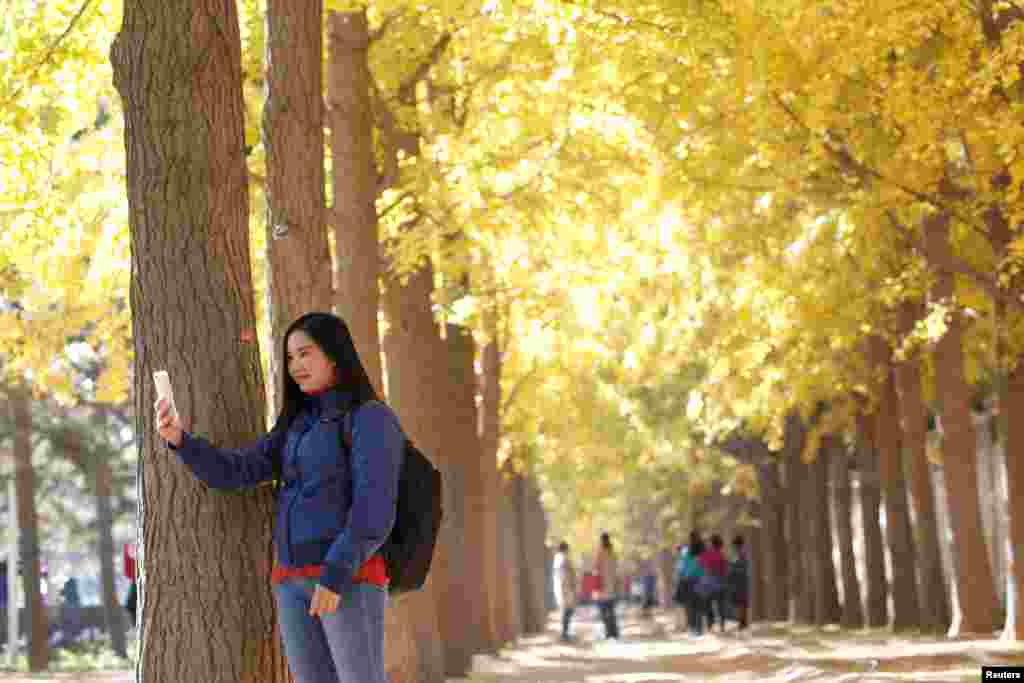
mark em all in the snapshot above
pixel 391 18
pixel 407 89
pixel 51 50
pixel 841 154
pixel 960 267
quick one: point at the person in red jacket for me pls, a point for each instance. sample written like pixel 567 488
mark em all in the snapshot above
pixel 131 599
pixel 711 586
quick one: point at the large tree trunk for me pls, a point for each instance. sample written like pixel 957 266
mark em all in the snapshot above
pixel 877 589
pixel 29 552
pixel 853 610
pixel 510 554
pixel 415 355
pixel 490 431
pixel 978 606
pixel 898 535
pixel 462 406
pixel 811 500
pixel 410 627
pixel 758 561
pixel 827 609
pixel 1014 406
pixel 914 423
pixel 800 593
pixel 772 542
pixel 354 183
pixel 298 257
pixel 103 489
pixel 792 450
pixel 457 631
pixel 177 67
pixel 532 555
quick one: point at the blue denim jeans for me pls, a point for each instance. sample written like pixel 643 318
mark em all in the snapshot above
pixel 611 622
pixel 346 646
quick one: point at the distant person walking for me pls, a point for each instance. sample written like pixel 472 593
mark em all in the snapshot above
pixel 680 594
pixel 564 579
pixel 690 572
pixel 336 506
pixel 131 600
pixel 606 566
pixel 738 581
pixel 711 586
pixel 71 612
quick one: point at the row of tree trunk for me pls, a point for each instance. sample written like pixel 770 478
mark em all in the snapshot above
pixel 809 566
pixel 904 584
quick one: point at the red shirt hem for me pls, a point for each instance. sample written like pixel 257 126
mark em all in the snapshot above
pixel 374 571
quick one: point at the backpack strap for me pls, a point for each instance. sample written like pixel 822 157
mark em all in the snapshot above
pixel 346 423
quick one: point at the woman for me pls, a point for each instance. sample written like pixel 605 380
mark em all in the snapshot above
pixel 606 566
pixel 565 586
pixel 335 509
pixel 739 582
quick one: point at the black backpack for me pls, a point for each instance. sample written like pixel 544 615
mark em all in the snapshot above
pixel 410 546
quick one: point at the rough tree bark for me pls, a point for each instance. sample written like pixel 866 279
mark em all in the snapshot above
pixel 354 184
pixel 29 552
pixel 914 424
pixel 978 606
pixel 510 554
pixel 826 609
pixel 532 554
pixel 795 473
pixel 898 534
pixel 853 610
pixel 177 67
pixel 490 433
pixel 869 488
pixel 416 370
pixel 758 561
pixel 774 601
pixel 410 623
pixel 1014 483
pixel 463 409
pixel 298 257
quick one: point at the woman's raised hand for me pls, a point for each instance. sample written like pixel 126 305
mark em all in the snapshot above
pixel 167 425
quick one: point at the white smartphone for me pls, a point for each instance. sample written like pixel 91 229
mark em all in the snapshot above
pixel 163 389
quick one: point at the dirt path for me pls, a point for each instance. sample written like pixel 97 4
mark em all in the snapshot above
pixel 651 651
pixel 104 677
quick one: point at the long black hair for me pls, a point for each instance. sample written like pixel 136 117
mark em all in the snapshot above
pixel 332 336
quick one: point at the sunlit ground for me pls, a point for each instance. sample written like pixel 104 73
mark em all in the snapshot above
pixel 653 651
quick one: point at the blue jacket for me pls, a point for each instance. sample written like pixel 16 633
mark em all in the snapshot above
pixel 330 511
pixel 689 567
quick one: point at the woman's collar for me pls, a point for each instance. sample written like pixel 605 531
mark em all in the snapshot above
pixel 330 401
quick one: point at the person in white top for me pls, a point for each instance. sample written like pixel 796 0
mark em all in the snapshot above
pixel 564 577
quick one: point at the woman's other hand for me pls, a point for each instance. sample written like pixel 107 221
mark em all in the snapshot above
pixel 325 601
pixel 167 425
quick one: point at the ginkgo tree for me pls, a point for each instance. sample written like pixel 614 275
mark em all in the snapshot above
pixel 63 250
